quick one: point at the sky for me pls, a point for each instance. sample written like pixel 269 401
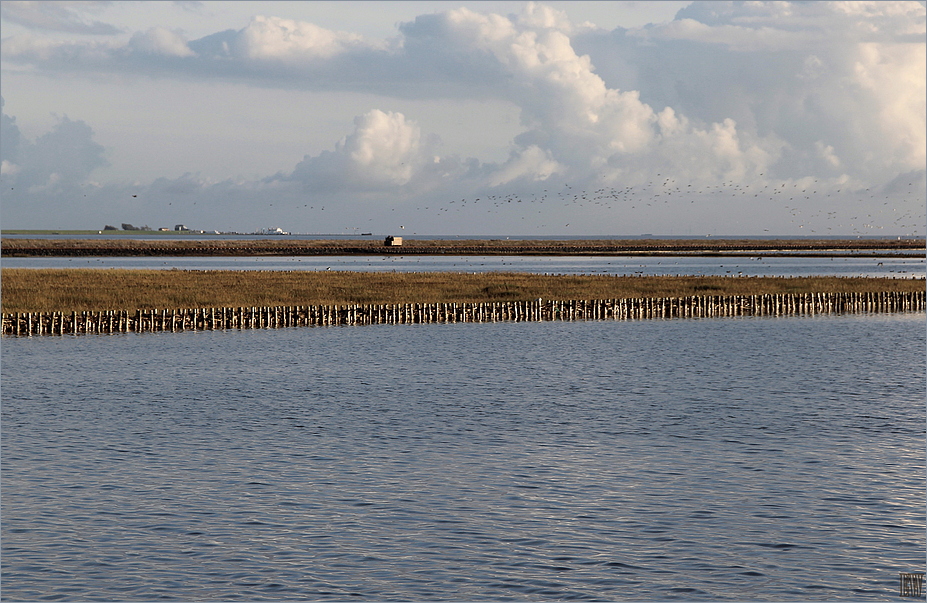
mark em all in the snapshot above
pixel 466 118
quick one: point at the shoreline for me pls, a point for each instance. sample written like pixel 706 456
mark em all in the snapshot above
pixel 604 247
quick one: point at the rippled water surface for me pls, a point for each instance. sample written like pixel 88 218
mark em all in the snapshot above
pixel 910 264
pixel 740 459
pixel 849 265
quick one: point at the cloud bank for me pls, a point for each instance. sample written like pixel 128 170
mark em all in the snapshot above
pixel 758 95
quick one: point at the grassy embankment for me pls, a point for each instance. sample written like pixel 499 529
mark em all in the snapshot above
pixel 52 290
pixel 197 246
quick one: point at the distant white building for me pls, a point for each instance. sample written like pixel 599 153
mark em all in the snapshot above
pixel 272 231
pixel 392 241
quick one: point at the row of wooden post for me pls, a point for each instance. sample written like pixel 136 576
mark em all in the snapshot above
pixel 115 321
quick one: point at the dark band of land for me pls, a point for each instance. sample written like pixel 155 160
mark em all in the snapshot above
pixel 68 290
pixel 643 247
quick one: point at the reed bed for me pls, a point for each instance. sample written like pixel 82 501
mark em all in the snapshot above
pixel 69 290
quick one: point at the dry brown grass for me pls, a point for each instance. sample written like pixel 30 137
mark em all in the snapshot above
pixel 28 290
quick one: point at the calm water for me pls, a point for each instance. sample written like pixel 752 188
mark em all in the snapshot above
pixel 702 266
pixel 738 459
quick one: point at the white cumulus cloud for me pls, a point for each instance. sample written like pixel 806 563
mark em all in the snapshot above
pixel 532 163
pixel 384 150
pixel 162 41
pixel 289 40
pixel 384 147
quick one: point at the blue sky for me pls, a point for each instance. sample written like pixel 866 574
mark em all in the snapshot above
pixel 510 118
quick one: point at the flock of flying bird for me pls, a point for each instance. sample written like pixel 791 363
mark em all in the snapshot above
pixel 844 211
pixel 810 208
